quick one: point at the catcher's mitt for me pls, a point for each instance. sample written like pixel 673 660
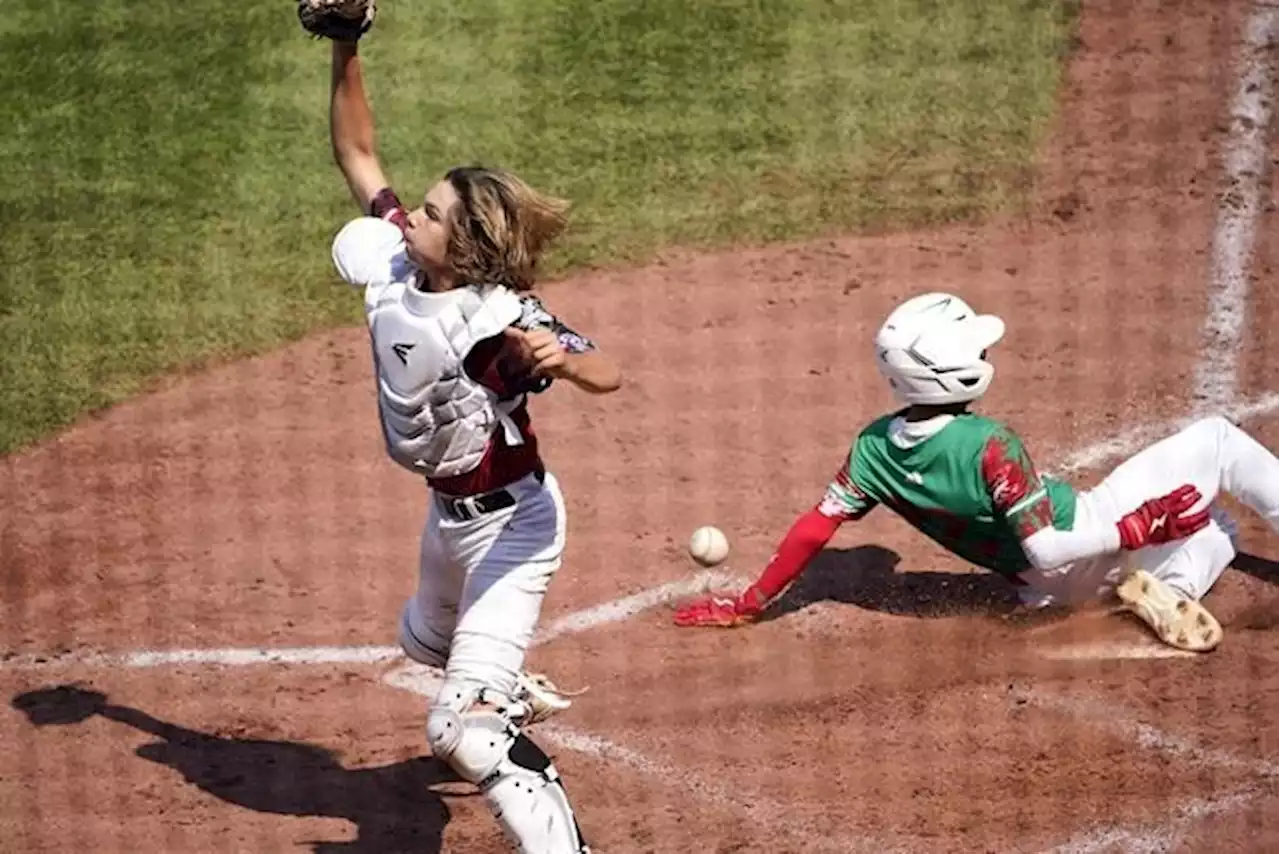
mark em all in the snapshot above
pixel 339 20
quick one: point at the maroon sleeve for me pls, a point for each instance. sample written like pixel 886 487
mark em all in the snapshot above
pixel 386 205
pixel 487 364
pixel 481 365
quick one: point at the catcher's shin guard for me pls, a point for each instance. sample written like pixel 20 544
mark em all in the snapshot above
pixel 518 780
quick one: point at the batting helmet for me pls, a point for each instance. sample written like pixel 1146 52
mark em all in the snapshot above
pixel 931 349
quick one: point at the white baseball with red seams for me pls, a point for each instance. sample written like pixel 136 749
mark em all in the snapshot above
pixel 709 546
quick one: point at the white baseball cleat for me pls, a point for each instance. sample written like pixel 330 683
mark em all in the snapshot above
pixel 1178 621
pixel 542 696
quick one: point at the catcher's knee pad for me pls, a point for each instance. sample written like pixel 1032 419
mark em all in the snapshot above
pixel 417 648
pixel 520 785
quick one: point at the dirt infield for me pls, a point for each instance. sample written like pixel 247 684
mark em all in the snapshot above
pixel 889 704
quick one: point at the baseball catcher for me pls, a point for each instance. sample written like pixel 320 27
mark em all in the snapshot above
pixel 1150 531
pixel 459 343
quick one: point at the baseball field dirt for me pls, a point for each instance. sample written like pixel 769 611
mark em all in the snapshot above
pixel 892 702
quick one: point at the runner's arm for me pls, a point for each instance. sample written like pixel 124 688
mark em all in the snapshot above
pixel 1018 492
pixel 842 502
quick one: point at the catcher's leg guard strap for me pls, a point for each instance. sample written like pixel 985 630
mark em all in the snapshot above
pixel 519 782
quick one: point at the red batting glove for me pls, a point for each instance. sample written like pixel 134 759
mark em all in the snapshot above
pixel 721 611
pixel 1161 520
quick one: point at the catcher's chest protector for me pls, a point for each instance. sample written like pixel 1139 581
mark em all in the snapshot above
pixel 435 419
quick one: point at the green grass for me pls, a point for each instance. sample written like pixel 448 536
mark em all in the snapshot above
pixel 169 196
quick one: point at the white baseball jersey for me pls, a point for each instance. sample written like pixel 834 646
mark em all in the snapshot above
pixel 436 420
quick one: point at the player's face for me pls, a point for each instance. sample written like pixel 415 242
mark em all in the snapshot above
pixel 427 235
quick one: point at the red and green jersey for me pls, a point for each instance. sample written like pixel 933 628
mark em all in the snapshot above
pixel 971 487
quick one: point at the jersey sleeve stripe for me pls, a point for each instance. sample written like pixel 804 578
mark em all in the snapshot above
pixel 1028 501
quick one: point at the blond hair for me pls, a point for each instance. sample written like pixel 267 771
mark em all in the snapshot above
pixel 500 227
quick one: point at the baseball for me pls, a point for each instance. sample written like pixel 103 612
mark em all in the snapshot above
pixel 708 546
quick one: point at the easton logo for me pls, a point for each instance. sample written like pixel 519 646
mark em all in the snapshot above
pixel 402 352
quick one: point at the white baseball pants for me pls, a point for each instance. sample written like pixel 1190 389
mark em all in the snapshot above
pixel 1213 455
pixel 481 584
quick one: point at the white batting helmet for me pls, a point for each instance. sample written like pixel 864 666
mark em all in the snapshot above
pixel 931 350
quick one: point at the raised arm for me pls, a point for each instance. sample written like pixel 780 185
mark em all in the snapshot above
pixel 351 126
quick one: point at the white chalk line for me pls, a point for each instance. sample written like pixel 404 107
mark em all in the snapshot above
pixel 762 812
pixel 1115 650
pixel 577 621
pixel 1214 388
pixel 1215 384
pixel 229 657
pixel 1156 837
pixel 1121 722
pixel 1153 837
pixel 617 610
pixel 628 606
pixel 1244 167
pixel 1137 438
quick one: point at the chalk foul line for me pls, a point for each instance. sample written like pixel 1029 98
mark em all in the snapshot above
pixel 572 623
pixel 1244 171
pixel 1119 721
pixel 1135 439
pixel 622 609
pixel 1156 837
pixel 618 610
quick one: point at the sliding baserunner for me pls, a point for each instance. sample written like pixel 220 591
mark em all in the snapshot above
pixel 1150 531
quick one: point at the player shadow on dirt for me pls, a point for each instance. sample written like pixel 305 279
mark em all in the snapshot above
pixel 867 576
pixel 1258 615
pixel 391 806
pixel 1258 567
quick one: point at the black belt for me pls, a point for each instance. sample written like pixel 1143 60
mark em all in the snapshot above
pixel 469 507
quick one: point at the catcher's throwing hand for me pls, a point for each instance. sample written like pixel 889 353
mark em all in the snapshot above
pixel 539 350
pixel 1162 520
pixel 339 20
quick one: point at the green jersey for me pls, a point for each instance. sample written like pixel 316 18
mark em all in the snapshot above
pixel 971 487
